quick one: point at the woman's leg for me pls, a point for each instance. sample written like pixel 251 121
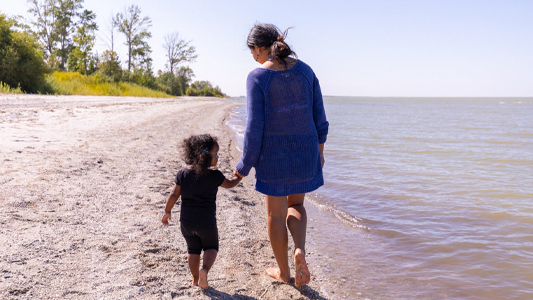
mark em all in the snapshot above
pixel 297 220
pixel 209 259
pixel 297 224
pixel 277 232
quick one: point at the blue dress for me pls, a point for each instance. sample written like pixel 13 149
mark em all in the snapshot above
pixel 286 122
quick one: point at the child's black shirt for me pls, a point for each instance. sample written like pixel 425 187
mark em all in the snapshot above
pixel 198 196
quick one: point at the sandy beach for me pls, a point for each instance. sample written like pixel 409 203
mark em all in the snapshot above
pixel 83 183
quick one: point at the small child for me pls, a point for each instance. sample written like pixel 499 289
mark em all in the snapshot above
pixel 198 185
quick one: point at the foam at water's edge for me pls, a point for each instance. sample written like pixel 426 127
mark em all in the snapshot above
pixel 318 201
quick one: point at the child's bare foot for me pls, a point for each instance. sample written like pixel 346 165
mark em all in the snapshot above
pixel 302 276
pixel 202 281
pixel 195 281
pixel 275 273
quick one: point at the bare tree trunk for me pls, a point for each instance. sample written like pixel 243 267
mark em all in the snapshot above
pixel 178 50
pixel 110 40
pixel 129 57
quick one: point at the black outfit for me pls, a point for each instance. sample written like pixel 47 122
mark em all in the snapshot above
pixel 198 209
pixel 199 237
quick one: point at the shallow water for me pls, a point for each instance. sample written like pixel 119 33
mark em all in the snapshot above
pixel 426 198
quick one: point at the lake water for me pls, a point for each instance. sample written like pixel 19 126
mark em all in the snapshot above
pixel 425 198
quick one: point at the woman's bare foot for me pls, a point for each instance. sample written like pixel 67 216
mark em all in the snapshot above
pixel 202 281
pixel 275 273
pixel 302 276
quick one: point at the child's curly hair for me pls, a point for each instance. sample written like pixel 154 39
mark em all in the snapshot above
pixel 197 152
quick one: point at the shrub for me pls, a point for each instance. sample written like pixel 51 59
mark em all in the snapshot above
pixel 109 66
pixel 21 63
pixel 171 82
pixel 6 89
pixel 205 89
pixel 73 83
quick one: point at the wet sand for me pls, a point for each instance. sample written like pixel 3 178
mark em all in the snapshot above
pixel 83 184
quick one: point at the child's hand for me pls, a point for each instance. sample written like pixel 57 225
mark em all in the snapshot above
pixel 230 183
pixel 166 217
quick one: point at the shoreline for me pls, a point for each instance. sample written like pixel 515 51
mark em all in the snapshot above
pixel 84 182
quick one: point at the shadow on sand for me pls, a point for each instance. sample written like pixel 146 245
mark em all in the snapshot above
pixel 214 294
pixel 308 292
pixel 305 290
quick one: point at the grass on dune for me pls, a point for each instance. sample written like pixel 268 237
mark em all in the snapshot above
pixel 73 83
pixel 6 89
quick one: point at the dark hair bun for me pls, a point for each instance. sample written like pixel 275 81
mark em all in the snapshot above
pixel 269 36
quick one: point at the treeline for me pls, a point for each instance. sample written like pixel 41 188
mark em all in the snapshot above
pixel 60 37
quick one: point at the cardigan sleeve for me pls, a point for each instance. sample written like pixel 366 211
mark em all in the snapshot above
pixel 319 114
pixel 253 136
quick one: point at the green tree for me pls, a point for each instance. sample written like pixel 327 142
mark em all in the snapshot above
pixel 44 22
pixel 55 23
pixel 144 77
pixel 109 66
pixel 171 82
pixel 21 62
pixel 64 28
pixel 184 75
pixel 178 51
pixel 135 29
pixel 141 57
pixel 81 58
pixel 204 88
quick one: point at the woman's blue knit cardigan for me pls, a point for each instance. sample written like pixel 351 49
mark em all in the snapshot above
pixel 286 122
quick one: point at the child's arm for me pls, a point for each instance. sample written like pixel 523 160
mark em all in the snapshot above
pixel 171 200
pixel 229 183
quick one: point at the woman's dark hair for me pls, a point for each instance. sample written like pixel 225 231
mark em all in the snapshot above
pixel 269 36
pixel 197 152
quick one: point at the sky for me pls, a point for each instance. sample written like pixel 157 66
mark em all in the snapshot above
pixel 379 48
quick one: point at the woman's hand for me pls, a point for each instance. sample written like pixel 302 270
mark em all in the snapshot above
pixel 166 217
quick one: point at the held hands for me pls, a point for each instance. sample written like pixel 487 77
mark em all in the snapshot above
pixel 166 217
pixel 236 173
pixel 231 183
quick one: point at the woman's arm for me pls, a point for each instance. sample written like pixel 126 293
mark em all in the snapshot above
pixel 321 147
pixel 171 201
pixel 253 136
pixel 319 114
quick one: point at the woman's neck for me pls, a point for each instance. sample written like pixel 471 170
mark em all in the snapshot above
pixel 277 65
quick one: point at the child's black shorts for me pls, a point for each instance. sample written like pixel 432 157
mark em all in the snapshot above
pixel 199 238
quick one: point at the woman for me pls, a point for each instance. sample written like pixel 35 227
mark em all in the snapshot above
pixel 284 141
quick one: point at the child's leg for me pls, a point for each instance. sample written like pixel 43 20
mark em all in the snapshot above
pixel 209 236
pixel 194 266
pixel 194 248
pixel 209 259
